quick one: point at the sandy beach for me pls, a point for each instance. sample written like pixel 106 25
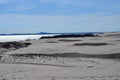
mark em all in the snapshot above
pixel 82 58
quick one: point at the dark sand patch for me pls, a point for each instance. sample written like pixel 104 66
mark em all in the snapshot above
pixel 117 40
pixel 91 44
pixel 51 42
pixel 69 40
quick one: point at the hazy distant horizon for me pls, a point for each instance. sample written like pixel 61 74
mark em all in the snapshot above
pixel 54 32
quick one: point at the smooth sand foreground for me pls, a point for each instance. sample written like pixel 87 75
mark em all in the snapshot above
pixel 28 66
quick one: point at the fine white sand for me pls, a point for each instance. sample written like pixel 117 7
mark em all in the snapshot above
pixel 64 68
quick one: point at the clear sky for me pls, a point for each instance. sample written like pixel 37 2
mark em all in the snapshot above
pixel 24 16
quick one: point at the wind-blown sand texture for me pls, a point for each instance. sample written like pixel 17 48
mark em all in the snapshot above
pixel 88 58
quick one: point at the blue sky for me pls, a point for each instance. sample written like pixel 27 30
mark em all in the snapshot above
pixel 24 16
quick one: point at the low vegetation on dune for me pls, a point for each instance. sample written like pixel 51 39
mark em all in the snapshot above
pixel 71 55
pixel 15 45
pixel 38 58
pixel 70 36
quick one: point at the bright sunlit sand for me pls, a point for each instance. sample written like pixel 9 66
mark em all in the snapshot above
pixel 88 58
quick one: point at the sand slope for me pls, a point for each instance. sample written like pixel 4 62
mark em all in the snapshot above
pixel 49 46
pixel 51 67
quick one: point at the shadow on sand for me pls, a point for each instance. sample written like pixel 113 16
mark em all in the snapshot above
pixel 71 55
pixel 69 40
pixel 91 44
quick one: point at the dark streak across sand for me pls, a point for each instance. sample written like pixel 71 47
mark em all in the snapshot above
pixel 36 64
pixel 69 40
pixel 71 55
pixel 91 44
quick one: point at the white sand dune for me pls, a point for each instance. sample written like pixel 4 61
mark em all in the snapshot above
pixel 48 46
pixel 64 68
